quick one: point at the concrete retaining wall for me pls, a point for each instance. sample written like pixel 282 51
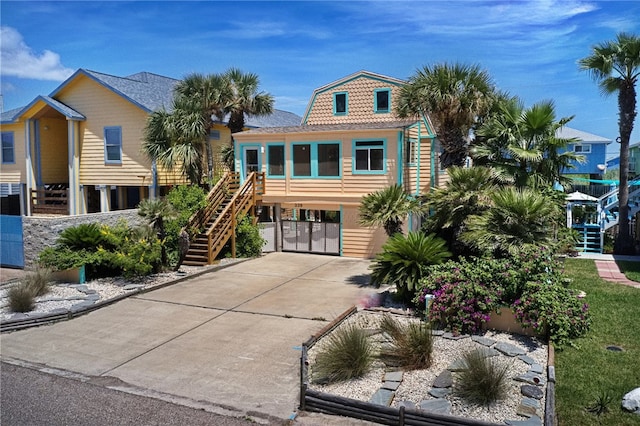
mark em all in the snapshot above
pixel 41 232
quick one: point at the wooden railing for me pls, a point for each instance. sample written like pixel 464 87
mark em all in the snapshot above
pixel 224 226
pixel 227 185
pixel 50 201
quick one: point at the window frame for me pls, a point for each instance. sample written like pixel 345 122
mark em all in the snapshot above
pixel 313 160
pixel 412 152
pixel 12 148
pixel 582 148
pixel 335 103
pixel 355 147
pixel 284 160
pixel 376 109
pixel 106 145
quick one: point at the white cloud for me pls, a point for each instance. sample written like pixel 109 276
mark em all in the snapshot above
pixel 19 60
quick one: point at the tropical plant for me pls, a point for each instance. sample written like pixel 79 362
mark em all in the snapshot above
pixel 348 354
pixel 249 242
pixel 86 236
pixel 403 261
pixel 387 208
pixel 518 218
pixel 156 212
pixel 410 346
pixel 484 379
pixel 244 98
pixel 455 97
pixel 615 65
pixel 521 144
pixel 466 193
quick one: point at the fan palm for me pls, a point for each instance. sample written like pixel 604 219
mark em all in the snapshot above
pixel 387 208
pixel 615 65
pixel 157 212
pixel 243 98
pixel 455 97
pixel 518 218
pixel 522 144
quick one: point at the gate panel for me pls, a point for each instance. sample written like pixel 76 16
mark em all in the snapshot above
pixel 11 247
pixel 317 237
pixel 303 236
pixel 289 236
pixel 332 238
pixel 268 232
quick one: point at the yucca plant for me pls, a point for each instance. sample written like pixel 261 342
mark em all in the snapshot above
pixel 411 345
pixel 348 354
pixel 483 381
pixel 403 260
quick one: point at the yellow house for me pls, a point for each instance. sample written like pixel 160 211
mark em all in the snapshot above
pixel 349 144
pixel 78 151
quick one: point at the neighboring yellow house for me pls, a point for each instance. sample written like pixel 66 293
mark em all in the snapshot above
pixel 78 150
pixel 349 144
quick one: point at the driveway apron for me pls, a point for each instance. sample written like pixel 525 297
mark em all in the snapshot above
pixel 230 338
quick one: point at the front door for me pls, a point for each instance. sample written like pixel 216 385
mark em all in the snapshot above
pixel 251 160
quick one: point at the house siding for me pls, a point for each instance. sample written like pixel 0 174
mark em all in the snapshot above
pixel 53 151
pixel 103 108
pixel 361 91
pixel 15 173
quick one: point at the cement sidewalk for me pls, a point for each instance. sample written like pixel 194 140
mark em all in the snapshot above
pixel 229 340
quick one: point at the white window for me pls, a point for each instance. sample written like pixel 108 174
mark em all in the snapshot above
pixel 113 145
pixel 582 148
pixel 8 149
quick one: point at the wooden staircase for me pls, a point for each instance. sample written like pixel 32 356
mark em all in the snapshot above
pixel 211 228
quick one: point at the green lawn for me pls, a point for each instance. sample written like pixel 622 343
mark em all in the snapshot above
pixel 630 269
pixel 589 370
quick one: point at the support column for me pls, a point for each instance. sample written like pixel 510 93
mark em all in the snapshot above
pixel 30 176
pixel 73 146
pixel 277 212
pixel 105 198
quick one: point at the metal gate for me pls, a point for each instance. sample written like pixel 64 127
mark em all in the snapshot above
pixel 11 247
pixel 311 237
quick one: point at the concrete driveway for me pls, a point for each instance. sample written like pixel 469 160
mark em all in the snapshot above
pixel 230 338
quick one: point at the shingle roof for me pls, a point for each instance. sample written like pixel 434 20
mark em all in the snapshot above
pixel 569 133
pixel 278 118
pixel 331 127
pixel 147 90
pixel 10 116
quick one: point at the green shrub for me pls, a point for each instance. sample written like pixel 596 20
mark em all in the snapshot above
pixel 86 236
pixel 483 381
pixel 186 200
pixel 249 242
pixel 21 298
pixel 554 311
pixel 61 258
pixel 348 354
pixel 403 261
pixel 411 346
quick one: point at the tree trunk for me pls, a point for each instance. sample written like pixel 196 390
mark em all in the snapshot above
pixel 455 147
pixel 625 243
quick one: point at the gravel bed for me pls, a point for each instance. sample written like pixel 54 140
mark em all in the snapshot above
pixel 105 288
pixel 416 384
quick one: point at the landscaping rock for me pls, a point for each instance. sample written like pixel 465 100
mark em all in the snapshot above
pixel 393 376
pixel 536 369
pixel 437 332
pixel 457 365
pixel 392 386
pixel 531 378
pixel 439 392
pixel 509 349
pixel 451 336
pixel 531 402
pixel 487 352
pixel 532 421
pixel 484 341
pixel 631 401
pixel 527 411
pixel 444 380
pixel 133 287
pixel 407 404
pixel 382 397
pixel 527 359
pixel 531 391
pixel 438 405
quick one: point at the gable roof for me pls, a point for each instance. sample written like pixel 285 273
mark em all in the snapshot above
pixel 10 116
pixel 343 80
pixel 146 90
pixel 569 133
pixel 401 124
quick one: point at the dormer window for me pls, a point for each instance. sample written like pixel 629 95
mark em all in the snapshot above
pixel 381 100
pixel 340 102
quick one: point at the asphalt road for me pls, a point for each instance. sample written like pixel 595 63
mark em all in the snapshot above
pixel 32 397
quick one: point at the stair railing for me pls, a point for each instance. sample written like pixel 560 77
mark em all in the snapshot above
pixel 609 201
pixel 216 196
pixel 224 226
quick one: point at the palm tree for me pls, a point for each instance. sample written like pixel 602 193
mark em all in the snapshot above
pixel 157 212
pixel 615 65
pixel 243 98
pixel 455 97
pixel 522 144
pixel 387 208
pixel 467 193
pixel 517 218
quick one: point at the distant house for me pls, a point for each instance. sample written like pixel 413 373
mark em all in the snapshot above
pixel 634 161
pixel 77 150
pixel 350 143
pixel 592 147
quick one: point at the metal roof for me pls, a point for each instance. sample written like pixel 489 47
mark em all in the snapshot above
pixel 569 133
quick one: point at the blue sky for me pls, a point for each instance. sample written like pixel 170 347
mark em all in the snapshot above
pixel 529 47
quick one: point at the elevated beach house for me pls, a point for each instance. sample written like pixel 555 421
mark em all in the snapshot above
pixel 350 143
